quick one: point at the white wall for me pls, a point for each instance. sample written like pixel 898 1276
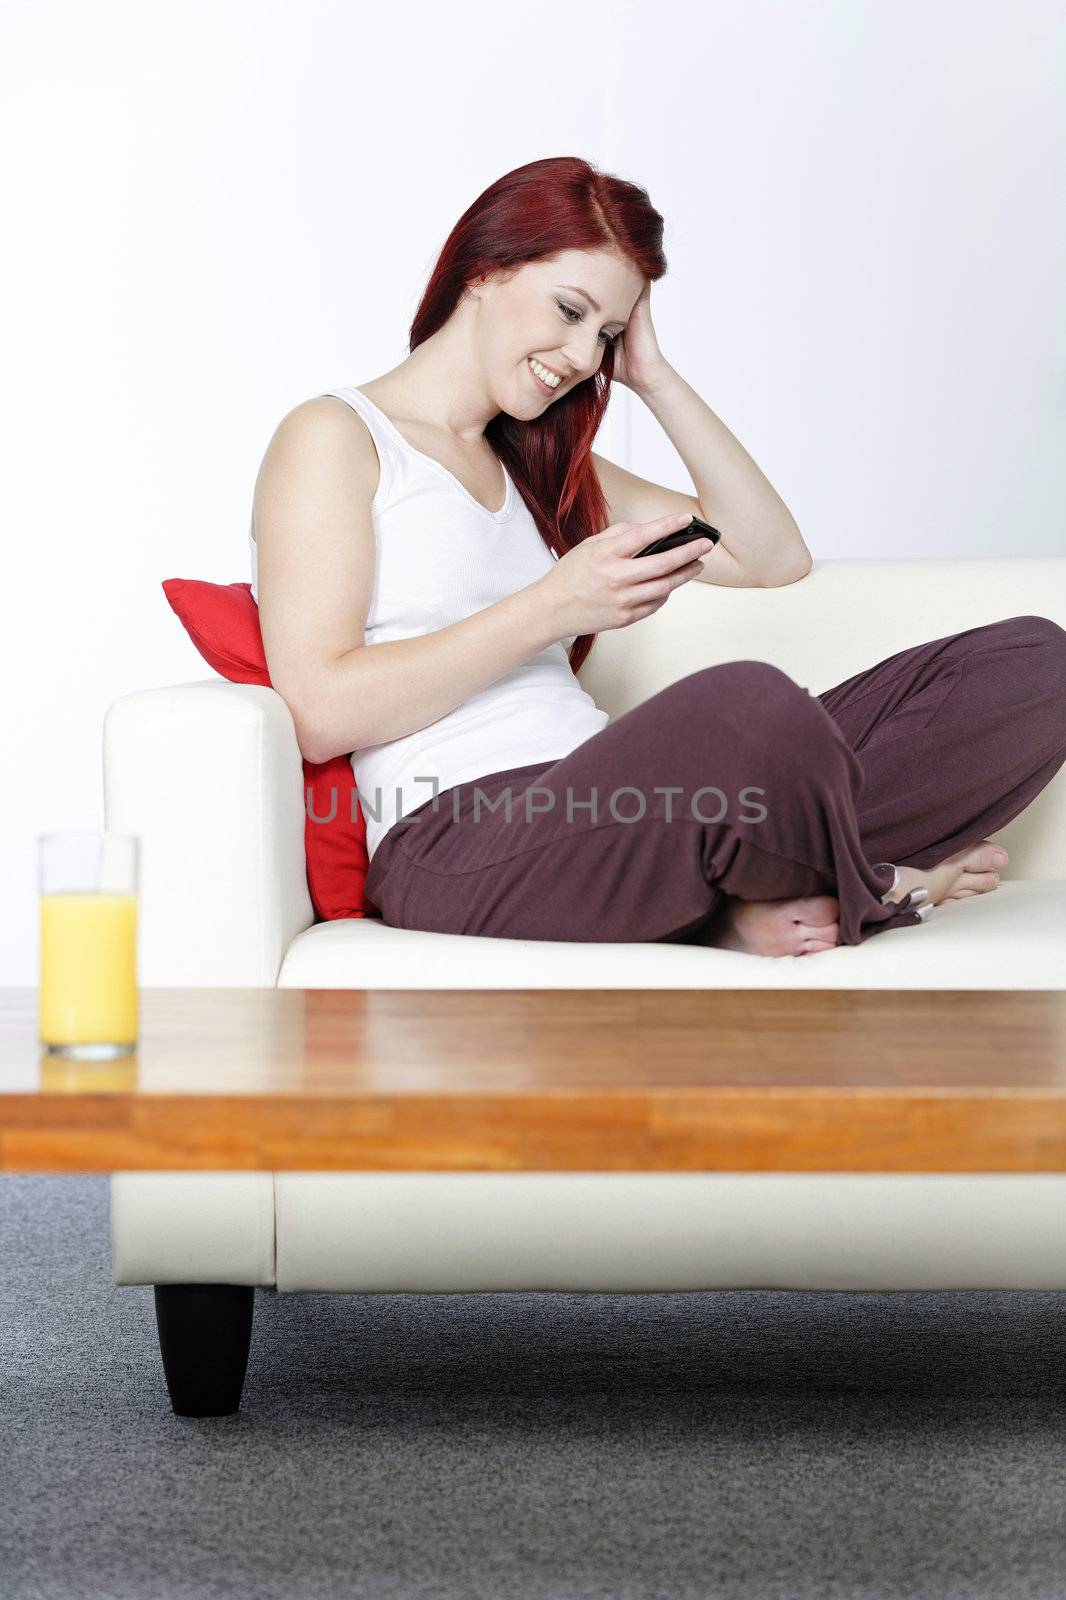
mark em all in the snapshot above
pixel 216 210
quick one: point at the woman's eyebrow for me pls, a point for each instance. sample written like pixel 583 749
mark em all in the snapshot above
pixel 593 303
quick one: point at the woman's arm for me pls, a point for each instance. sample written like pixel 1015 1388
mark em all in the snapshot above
pixel 633 499
pixel 316 561
pixel 757 527
pixel 379 692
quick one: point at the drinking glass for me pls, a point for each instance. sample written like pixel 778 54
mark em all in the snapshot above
pixel 88 951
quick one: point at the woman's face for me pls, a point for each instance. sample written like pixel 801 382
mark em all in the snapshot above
pixel 540 314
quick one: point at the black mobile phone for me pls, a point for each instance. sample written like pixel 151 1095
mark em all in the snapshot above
pixel 697 529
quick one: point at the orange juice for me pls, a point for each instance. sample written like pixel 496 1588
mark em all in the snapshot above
pixel 88 986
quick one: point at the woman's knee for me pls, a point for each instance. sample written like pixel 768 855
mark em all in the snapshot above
pixel 1044 629
pixel 1051 632
pixel 755 685
pixel 766 710
pixel 1049 682
pixel 769 695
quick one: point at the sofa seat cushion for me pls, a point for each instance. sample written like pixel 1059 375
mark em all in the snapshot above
pixel 1012 938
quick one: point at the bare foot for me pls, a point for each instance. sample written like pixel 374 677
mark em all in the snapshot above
pixel 807 925
pixel 972 870
pixel 798 927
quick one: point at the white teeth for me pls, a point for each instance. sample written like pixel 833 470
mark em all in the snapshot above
pixel 544 375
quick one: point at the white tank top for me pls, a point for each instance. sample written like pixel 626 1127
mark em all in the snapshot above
pixel 442 557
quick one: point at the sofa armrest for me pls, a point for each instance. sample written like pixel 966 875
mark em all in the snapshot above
pixel 209 776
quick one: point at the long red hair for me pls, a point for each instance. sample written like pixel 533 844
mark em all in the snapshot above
pixel 562 203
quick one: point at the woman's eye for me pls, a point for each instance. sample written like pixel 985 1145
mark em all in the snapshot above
pixel 575 316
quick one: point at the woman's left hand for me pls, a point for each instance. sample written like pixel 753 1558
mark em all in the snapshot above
pixel 638 361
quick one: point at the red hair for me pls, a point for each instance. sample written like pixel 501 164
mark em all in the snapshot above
pixel 562 203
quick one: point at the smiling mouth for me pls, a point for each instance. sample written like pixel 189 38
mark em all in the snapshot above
pixel 545 388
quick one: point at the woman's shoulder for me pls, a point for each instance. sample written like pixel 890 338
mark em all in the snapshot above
pixel 329 422
pixel 325 425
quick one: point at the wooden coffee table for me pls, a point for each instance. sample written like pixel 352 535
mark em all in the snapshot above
pixel 549 1080
pixel 557 1080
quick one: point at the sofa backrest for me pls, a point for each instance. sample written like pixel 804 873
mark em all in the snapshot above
pixel 846 615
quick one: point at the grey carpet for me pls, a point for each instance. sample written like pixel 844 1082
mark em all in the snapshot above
pixel 756 1444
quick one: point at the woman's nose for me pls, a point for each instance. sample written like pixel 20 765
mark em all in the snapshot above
pixel 586 360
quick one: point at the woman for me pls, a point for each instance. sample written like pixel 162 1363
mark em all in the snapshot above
pixel 764 820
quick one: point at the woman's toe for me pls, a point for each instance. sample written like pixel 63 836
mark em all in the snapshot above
pixel 974 883
pixel 983 858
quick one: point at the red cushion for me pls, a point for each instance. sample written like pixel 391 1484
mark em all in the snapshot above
pixel 222 620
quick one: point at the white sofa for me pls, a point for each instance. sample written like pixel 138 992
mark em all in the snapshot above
pixel 208 774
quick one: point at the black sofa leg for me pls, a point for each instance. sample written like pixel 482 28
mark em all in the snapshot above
pixel 205 1331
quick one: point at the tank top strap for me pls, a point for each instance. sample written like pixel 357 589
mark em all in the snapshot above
pixel 383 441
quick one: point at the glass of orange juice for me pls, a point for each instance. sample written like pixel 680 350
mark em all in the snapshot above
pixel 88 951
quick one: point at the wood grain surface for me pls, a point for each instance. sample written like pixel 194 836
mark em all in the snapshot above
pixel 600 1080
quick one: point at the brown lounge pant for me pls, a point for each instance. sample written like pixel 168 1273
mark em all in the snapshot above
pixel 736 781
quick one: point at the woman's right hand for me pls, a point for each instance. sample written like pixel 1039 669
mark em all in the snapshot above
pixel 602 584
